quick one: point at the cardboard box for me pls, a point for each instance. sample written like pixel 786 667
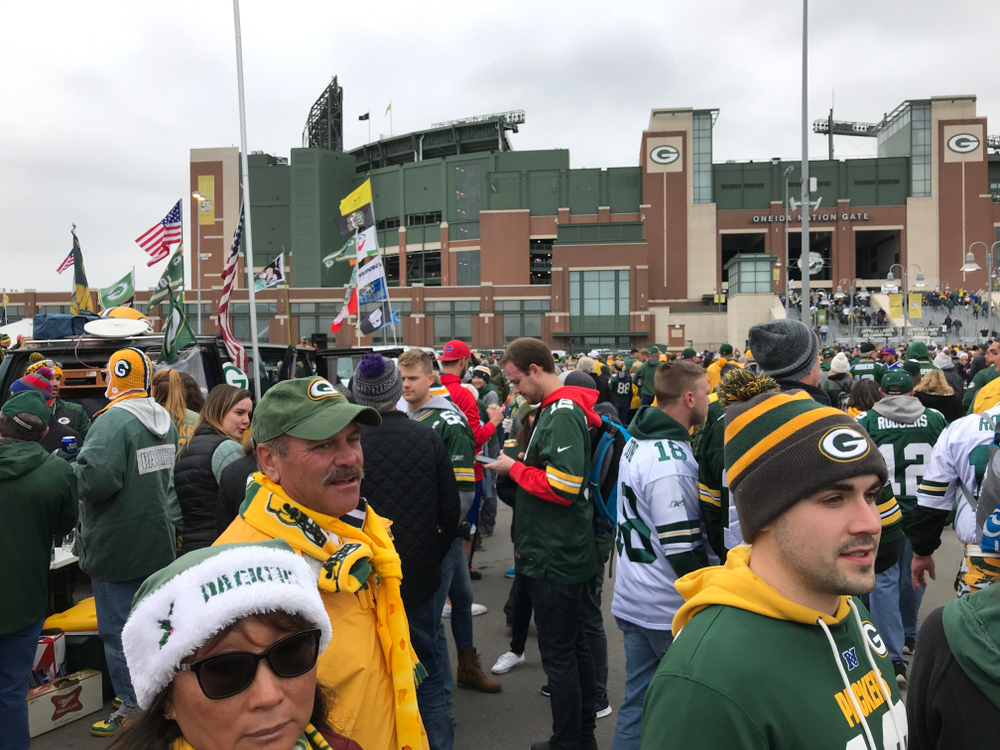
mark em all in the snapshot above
pixel 64 700
pixel 50 658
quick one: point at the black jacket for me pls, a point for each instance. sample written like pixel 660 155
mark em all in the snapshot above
pixel 197 490
pixel 954 378
pixel 816 394
pixel 233 490
pixel 409 479
pixel 950 406
pixel 945 709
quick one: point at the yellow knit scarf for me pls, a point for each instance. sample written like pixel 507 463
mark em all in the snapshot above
pixel 310 739
pixel 347 568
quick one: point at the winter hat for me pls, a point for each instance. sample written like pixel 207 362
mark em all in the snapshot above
pixel 129 371
pixel 773 432
pixel 840 363
pixel 376 383
pixel 867 347
pixel 943 362
pixel 45 363
pixel 27 402
pixel 785 349
pixel 911 367
pixel 580 379
pixel 4 340
pixel 482 371
pixel 896 383
pixel 917 350
pixel 40 380
pixel 178 608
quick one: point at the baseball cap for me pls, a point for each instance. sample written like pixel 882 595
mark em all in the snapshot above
pixel 453 350
pixel 27 402
pixel 688 353
pixel 307 408
pixel 726 349
pixel 888 350
pixel 896 382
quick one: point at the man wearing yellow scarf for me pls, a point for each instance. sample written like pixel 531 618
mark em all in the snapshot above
pixel 308 493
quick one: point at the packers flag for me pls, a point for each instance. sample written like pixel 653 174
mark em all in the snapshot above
pixel 121 292
pixel 916 305
pixel 895 305
pixel 172 278
pixel 177 334
pixel 82 303
pixel 359 197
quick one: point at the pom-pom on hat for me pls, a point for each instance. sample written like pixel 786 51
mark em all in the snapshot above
pixel 178 608
pixel 376 383
pixel 40 380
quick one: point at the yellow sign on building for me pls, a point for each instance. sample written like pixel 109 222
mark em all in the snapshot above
pixel 916 305
pixel 895 305
pixel 206 187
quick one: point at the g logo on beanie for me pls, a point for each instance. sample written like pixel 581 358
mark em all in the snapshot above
pixel 843 444
pixel 122 368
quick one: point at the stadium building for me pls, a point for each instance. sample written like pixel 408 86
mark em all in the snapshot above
pixel 486 243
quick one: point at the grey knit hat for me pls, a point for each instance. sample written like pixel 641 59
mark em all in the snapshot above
pixel 376 383
pixel 784 349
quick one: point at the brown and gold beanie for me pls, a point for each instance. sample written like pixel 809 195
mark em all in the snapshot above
pixel 782 447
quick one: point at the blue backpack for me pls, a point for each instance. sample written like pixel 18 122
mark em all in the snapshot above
pixel 608 442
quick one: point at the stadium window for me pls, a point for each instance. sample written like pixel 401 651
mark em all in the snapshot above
pixel 468 268
pixel 424 267
pixel 599 300
pixel 391 222
pixel 540 257
pixel 702 147
pixel 467 197
pixel 241 320
pixel 417 220
pixel 521 317
pixel 391 263
pixel 452 320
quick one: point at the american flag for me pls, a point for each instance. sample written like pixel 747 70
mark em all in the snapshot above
pixel 68 263
pixel 237 354
pixel 157 241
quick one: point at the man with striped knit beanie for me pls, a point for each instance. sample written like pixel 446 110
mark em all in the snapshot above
pixel 784 611
pixel 41 379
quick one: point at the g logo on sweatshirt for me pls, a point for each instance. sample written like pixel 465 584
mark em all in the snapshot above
pixel 874 639
pixel 843 444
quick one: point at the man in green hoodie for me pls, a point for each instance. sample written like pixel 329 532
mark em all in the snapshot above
pixel 38 497
pixel 662 534
pixel 644 376
pixel 128 508
pixel 773 650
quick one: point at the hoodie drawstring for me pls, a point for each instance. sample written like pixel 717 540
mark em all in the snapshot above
pixel 900 742
pixel 847 683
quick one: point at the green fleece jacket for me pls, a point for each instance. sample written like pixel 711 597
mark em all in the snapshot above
pixel 38 498
pixel 128 507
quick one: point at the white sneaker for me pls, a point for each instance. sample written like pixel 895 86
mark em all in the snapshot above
pixel 507 662
pixel 478 609
pixel 446 612
pixel 606 711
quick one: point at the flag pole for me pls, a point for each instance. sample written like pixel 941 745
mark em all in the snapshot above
pixel 357 263
pixel 385 278
pixel 246 204
pixel 133 289
pixel 288 304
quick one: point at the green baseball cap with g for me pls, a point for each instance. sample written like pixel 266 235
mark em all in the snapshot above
pixel 688 353
pixel 896 382
pixel 27 402
pixel 726 349
pixel 307 408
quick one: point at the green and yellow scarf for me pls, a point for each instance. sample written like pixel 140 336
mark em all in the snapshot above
pixel 347 568
pixel 310 739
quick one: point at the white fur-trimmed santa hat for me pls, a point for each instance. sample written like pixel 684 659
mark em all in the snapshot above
pixel 180 607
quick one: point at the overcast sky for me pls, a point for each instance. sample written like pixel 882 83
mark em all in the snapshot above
pixel 101 102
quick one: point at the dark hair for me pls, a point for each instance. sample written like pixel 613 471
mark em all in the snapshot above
pixel 149 729
pixel 13 431
pixel 864 395
pixel 525 352
pixel 193 396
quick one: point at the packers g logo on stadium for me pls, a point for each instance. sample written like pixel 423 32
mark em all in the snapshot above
pixel 963 143
pixel 873 638
pixel 843 444
pixel 664 154
pixel 321 388
pixel 122 368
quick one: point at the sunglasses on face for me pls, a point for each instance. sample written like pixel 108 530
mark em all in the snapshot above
pixel 225 675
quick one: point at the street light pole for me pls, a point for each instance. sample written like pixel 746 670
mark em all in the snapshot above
pixel 971 265
pixel 788 211
pixel 197 227
pixel 804 257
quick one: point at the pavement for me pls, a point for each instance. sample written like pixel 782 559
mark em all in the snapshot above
pixel 519 715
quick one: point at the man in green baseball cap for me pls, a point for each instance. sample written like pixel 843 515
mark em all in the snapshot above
pixel 690 355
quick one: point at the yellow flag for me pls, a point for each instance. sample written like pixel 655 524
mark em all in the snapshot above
pixel 206 206
pixel 362 196
pixel 916 309
pixel 895 305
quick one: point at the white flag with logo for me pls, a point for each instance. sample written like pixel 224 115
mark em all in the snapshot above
pixel 367 245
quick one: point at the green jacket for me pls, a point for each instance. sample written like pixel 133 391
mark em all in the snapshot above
pixel 780 684
pixel 484 395
pixel 77 415
pixel 128 507
pixel 38 495
pixel 645 375
pixel 868 369
pixel 981 378
pixel 554 524
pixel 448 421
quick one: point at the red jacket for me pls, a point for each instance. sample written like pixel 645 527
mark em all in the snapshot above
pixel 465 401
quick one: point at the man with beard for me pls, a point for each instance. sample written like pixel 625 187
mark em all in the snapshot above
pixel 773 650
pixel 308 492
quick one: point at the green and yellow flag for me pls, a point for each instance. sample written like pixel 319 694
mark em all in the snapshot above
pixel 359 197
pixel 122 292
pixel 177 334
pixel 171 280
pixel 82 303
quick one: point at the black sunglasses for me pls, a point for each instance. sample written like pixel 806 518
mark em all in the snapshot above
pixel 224 675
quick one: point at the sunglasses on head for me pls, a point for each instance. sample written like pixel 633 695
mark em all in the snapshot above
pixel 224 675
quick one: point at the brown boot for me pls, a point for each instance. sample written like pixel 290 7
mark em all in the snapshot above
pixel 470 673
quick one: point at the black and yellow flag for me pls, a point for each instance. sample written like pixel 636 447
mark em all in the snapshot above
pixel 82 303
